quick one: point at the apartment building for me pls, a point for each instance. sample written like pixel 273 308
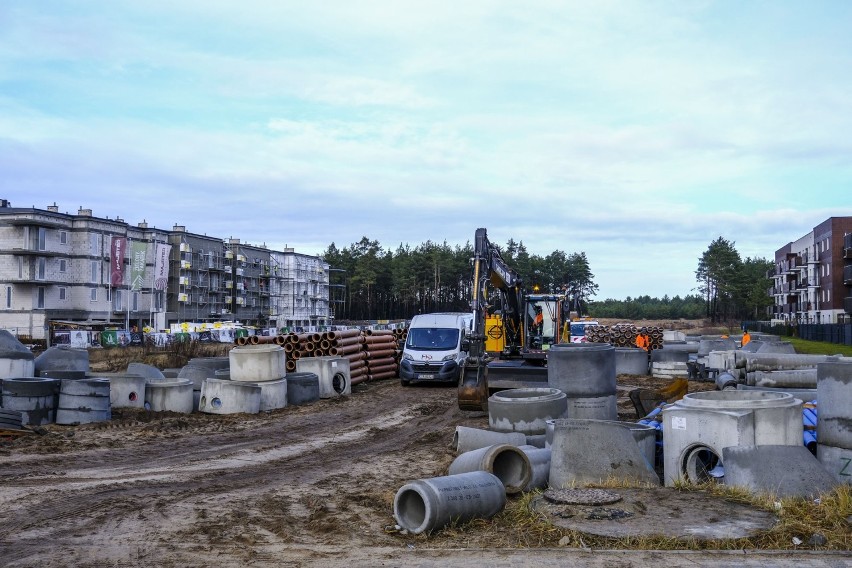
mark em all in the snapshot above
pixel 812 277
pixel 63 269
pixel 299 289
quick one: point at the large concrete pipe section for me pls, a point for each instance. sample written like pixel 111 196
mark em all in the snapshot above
pixel 229 397
pixel 594 451
pixel 525 410
pixel 805 395
pixel 834 427
pixel 780 362
pixel 302 388
pixel 254 363
pixel 631 361
pixel 173 395
pixel 33 397
pixel 539 459
pixel 425 505
pixel 273 394
pixel 793 378
pixel 83 401
pixel 507 462
pixel 705 346
pixel 15 359
pixel 697 427
pixel 466 439
pixel 585 372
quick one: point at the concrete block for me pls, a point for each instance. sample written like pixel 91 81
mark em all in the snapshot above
pixel 593 451
pixel 169 395
pixel 699 426
pixel 229 397
pixel 837 461
pixel 592 408
pixel 333 373
pixel 783 471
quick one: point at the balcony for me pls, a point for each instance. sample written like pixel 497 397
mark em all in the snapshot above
pixel 847 275
pixel 185 265
pixel 847 304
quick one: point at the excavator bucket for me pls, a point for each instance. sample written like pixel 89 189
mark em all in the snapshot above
pixel 473 388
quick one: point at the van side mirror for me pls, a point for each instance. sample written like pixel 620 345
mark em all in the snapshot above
pixel 465 344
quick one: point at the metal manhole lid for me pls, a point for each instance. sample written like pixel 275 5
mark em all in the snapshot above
pixel 581 496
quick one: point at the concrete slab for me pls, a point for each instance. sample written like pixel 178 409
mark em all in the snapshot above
pixel 784 471
pixel 660 511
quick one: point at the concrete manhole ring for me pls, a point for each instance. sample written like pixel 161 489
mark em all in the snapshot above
pixel 581 496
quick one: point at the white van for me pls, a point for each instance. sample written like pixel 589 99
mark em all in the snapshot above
pixel 433 348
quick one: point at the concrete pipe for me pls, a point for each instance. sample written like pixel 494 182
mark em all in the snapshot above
pixel 33 397
pixel 241 341
pixel 255 363
pixel 834 394
pixel 345 341
pixel 197 374
pixel 229 397
pixel 290 365
pixel 466 439
pixel 143 370
pixel 381 354
pixel 525 410
pixel 170 396
pixel 795 378
pixel 726 381
pixel 539 459
pixel 83 401
pixel 334 374
pixel 582 370
pixel 631 361
pixel 594 451
pixel 669 356
pixel 536 440
pixel 302 388
pixel 507 462
pixel 425 505
pixel 780 362
pixel 273 394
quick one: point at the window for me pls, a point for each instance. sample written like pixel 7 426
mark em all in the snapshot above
pixel 63 265
pixel 109 295
pixel 40 298
pixel 93 242
pixel 20 267
pixel 827 269
pixel 63 293
pixel 41 268
pixel 95 272
pixel 42 238
pixel 117 304
pixel 63 237
pixel 828 295
pixel 134 302
pixel 93 294
pixel 8 297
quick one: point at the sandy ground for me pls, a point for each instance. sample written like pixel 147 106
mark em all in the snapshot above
pixel 302 486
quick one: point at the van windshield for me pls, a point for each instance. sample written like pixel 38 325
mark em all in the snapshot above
pixel 432 338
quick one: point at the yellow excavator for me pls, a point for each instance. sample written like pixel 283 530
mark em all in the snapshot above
pixel 510 338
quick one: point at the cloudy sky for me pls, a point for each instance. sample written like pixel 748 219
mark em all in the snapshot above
pixel 635 131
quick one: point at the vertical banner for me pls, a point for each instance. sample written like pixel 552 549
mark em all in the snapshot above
pixel 161 266
pixel 118 247
pixel 138 251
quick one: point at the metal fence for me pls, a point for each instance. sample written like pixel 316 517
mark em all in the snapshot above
pixel 840 333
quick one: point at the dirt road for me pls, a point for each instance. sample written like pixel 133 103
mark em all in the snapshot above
pixel 310 485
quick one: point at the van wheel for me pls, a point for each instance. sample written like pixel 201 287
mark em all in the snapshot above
pixel 403 382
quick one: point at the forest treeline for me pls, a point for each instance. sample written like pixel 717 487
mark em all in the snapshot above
pixel 370 282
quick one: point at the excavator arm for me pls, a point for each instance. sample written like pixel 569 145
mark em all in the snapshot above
pixel 489 271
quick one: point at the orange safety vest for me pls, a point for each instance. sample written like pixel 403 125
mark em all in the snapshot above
pixel 642 341
pixel 746 338
pixel 539 318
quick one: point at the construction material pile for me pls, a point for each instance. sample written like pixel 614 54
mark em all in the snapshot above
pixel 623 335
pixel 373 353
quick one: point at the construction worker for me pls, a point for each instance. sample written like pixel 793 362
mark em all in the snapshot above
pixel 642 340
pixel 538 320
pixel 746 337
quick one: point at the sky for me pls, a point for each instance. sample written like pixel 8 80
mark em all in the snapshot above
pixel 635 131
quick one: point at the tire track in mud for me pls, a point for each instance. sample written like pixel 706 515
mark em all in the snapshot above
pixel 311 446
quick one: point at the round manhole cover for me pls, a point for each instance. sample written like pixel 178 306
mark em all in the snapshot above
pixel 581 496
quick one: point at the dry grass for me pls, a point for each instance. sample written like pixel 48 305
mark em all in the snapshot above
pixel 176 355
pixel 799 520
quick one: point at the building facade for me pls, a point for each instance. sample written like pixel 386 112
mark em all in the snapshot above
pixel 812 277
pixel 56 269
